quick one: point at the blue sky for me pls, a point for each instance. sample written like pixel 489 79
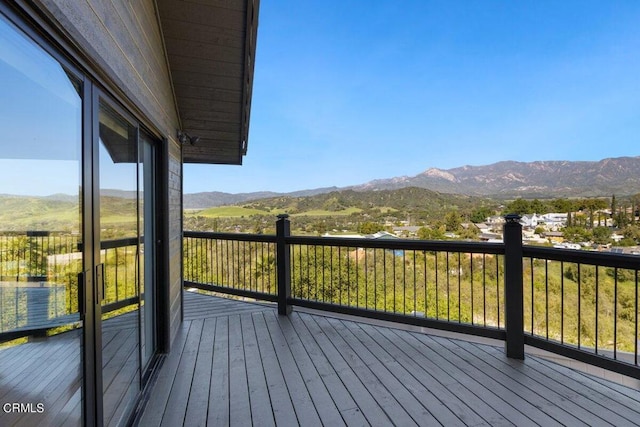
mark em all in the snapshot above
pixel 349 91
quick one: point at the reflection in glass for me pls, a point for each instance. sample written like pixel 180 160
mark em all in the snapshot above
pixel 120 251
pixel 40 235
pixel 148 261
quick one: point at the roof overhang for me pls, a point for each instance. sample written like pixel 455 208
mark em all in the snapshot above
pixel 210 47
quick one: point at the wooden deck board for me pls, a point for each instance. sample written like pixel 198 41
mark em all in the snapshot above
pixel 329 415
pixel 261 411
pixel 196 414
pixel 589 411
pixel 306 411
pixel 218 408
pixel 468 384
pixel 283 410
pixel 240 406
pixel 468 406
pixel 308 369
pixel 162 389
pixel 363 399
pixel 511 392
pixel 176 406
pixel 379 347
pixel 406 356
pixel 372 377
pixel 347 407
pixel 513 379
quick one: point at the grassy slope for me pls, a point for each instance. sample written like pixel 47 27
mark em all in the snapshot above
pixel 34 213
pixel 321 212
pixel 230 211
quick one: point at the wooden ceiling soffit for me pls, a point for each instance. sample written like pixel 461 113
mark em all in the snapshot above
pixel 211 49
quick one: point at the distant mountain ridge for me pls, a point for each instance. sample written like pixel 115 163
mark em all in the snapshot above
pixel 533 179
pixel 541 179
pixel 507 179
pixel 210 199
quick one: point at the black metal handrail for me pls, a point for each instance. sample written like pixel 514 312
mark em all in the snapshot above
pixel 486 289
pixel 40 274
pixel 602 259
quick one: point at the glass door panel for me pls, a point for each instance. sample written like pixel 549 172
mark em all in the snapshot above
pixel 147 174
pixel 119 256
pixel 41 237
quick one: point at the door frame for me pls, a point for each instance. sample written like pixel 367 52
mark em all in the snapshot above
pixel 43 32
pixel 100 97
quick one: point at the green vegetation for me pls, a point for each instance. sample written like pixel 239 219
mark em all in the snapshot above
pixel 54 259
pixel 34 213
pixel 321 212
pixel 231 211
pixel 457 287
pixel 40 244
pixel 446 286
pixel 344 210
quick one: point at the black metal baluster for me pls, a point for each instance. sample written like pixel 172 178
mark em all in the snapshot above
pixel 615 314
pixel 562 302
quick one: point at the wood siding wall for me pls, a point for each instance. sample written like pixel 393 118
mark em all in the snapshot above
pixel 122 43
pixel 175 238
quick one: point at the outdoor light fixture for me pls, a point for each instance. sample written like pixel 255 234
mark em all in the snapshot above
pixel 184 137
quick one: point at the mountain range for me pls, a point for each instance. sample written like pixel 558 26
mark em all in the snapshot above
pixel 540 179
pixel 503 180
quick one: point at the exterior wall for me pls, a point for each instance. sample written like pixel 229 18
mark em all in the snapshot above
pixel 122 43
pixel 175 239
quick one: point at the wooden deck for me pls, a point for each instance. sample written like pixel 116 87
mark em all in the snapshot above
pixel 48 371
pixel 236 363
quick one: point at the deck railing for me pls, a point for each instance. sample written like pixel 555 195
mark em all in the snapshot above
pixel 579 304
pixel 39 280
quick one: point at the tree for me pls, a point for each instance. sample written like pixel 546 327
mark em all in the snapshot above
pixel 562 205
pixel 614 208
pixel 369 228
pixel 632 232
pixel 320 227
pixel 480 215
pixel 602 235
pixel 536 206
pixel 469 233
pixel 426 233
pixel 453 221
pixel 519 206
pixel 576 234
pixel 635 208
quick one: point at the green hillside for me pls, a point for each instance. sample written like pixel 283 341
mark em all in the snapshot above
pixel 346 202
pixel 36 213
pixel 230 211
pixel 22 213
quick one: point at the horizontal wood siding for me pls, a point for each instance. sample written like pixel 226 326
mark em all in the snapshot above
pixel 175 239
pixel 123 42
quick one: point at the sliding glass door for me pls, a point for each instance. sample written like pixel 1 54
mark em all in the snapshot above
pixel 126 162
pixel 147 174
pixel 119 263
pixel 78 243
pixel 42 238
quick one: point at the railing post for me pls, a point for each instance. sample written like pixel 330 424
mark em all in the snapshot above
pixel 283 266
pixel 513 293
